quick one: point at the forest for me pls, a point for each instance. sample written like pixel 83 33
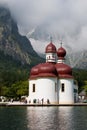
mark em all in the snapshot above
pixel 13 77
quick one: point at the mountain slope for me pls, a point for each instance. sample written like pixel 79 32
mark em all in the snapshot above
pixel 12 43
pixel 78 59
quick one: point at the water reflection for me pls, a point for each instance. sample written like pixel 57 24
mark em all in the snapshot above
pixel 54 118
pixel 57 118
pixel 65 118
pixel 43 118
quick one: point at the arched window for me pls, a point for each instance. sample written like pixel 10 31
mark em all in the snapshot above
pixel 62 87
pixel 33 88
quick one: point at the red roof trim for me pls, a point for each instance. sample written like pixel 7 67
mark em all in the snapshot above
pixel 42 75
pixel 66 76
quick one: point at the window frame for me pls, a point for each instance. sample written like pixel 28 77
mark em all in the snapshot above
pixel 33 89
pixel 62 87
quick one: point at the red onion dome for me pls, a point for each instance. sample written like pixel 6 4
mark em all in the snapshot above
pixel 63 70
pixel 50 48
pixel 61 53
pixel 34 71
pixel 47 70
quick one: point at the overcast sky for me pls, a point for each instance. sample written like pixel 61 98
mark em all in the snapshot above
pixel 66 18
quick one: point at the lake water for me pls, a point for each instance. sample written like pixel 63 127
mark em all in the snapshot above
pixel 43 118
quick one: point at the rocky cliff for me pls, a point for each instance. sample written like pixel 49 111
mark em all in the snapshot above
pixel 12 43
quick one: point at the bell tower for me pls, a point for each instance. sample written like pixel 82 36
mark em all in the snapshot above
pixel 51 52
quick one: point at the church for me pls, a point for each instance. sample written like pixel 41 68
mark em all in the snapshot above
pixel 52 82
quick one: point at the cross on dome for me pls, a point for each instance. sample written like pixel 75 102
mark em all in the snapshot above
pixel 61 43
pixel 61 52
pixel 51 39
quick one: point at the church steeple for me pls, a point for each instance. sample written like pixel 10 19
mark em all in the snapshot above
pixel 50 52
pixel 61 52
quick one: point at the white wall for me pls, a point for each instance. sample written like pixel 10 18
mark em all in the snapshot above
pixel 66 97
pixel 31 93
pixel 45 88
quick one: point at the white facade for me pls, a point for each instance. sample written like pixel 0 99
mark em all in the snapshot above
pixel 66 95
pixel 45 88
pixel 58 91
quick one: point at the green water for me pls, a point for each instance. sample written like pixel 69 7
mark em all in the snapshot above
pixel 43 118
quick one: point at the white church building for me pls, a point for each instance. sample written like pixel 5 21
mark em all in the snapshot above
pixel 52 82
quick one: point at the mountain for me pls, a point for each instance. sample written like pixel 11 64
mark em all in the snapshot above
pixel 13 44
pixel 78 59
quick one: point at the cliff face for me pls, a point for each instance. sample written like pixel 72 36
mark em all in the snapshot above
pixel 12 43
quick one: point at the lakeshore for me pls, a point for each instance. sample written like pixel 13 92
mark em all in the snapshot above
pixel 39 105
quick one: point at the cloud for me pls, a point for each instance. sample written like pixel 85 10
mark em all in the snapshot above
pixel 64 19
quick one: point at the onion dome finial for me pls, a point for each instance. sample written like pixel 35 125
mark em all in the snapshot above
pixel 50 47
pixel 61 52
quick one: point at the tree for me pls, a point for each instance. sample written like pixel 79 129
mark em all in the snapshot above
pixel 18 89
pixel 22 88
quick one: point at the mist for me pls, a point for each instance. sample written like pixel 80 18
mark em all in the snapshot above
pixel 64 20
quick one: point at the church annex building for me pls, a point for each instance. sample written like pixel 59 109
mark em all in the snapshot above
pixel 52 82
